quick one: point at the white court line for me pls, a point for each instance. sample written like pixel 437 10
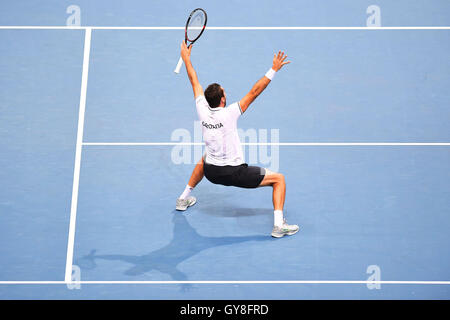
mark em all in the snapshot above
pixel 223 28
pixel 76 172
pixel 271 143
pixel 230 282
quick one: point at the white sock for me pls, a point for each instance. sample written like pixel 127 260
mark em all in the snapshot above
pixel 186 192
pixel 278 218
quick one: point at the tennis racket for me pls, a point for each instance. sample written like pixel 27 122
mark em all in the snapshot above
pixel 195 26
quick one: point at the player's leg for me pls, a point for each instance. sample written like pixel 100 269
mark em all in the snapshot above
pixel 185 200
pixel 197 174
pixel 278 183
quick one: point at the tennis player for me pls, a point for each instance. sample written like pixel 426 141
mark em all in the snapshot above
pixel 223 162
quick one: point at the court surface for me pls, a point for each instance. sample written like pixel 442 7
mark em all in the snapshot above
pixel 98 138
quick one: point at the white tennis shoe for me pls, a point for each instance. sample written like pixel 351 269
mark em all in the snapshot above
pixel 183 204
pixel 284 230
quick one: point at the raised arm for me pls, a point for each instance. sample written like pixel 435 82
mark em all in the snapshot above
pixel 186 56
pixel 261 84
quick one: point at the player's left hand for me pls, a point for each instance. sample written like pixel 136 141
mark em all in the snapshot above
pixel 279 60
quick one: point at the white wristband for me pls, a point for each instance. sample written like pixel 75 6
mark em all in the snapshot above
pixel 270 74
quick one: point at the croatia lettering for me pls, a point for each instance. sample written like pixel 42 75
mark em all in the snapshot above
pixel 212 126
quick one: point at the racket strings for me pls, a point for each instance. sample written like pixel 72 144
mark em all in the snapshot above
pixel 195 26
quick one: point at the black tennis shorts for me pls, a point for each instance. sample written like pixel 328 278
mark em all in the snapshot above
pixel 243 176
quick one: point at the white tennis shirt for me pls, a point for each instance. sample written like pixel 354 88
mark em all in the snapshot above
pixel 220 134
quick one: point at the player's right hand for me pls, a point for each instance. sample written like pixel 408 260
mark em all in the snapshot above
pixel 185 51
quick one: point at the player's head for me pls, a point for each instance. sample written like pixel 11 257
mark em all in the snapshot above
pixel 215 95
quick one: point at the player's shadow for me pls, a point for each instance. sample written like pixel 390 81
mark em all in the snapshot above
pixel 227 211
pixel 186 243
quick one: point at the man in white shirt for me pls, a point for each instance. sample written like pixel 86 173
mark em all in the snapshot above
pixel 224 162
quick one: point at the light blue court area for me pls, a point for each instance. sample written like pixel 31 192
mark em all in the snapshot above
pixel 40 74
pixel 127 228
pixel 230 13
pixel 351 85
pixel 376 211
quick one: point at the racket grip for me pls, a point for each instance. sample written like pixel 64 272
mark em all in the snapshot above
pixel 179 64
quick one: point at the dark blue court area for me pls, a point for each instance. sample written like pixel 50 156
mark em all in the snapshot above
pixel 98 138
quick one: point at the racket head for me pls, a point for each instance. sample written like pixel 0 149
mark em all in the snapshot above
pixel 195 25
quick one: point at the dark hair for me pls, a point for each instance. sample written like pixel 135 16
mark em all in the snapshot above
pixel 213 94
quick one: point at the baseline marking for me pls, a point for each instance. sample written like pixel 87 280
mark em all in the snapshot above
pixel 223 28
pixel 230 282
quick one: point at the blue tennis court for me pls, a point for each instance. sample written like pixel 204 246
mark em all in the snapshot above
pixel 99 137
